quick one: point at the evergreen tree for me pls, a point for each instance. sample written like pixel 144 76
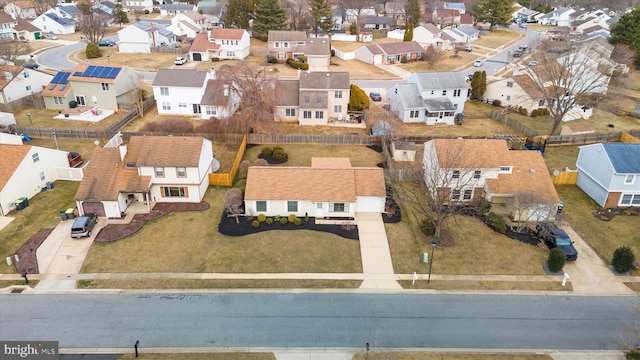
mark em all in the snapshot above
pixel 238 13
pixel 408 32
pixel 119 15
pixel 627 31
pixel 269 16
pixel 495 12
pixel 321 16
pixel 412 11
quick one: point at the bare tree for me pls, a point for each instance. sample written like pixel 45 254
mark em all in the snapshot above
pixel 243 168
pixel 92 24
pixel 297 14
pixel 447 180
pixel 256 93
pixel 433 55
pixel 43 5
pixel 527 209
pixel 10 49
pixel 356 6
pixel 233 202
pixel 568 76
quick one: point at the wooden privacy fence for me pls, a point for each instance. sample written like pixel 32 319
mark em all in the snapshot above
pixel 569 177
pixel 626 137
pixel 517 126
pixel 581 139
pixel 35 101
pixel 226 179
pixel 312 139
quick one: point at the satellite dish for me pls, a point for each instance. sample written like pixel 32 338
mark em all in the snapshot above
pixel 215 166
pixel 96 143
pixel 556 172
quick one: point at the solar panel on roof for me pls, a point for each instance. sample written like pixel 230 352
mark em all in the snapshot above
pixel 113 73
pixel 105 72
pixel 56 79
pixel 77 73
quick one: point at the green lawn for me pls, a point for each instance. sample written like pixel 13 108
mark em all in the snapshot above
pixel 559 157
pixel 301 154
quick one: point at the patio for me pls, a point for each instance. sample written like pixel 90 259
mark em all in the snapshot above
pixel 84 113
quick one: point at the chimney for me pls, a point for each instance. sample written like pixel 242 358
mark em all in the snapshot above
pixel 213 72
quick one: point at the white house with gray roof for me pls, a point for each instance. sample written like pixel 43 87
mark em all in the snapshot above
pixel 323 96
pixel 142 36
pixel 179 91
pixel 55 21
pixel 175 9
pixel 557 17
pixel 431 98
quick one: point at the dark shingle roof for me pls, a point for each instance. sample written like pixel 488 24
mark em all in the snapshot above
pixel 625 158
pixel 324 80
pixel 180 77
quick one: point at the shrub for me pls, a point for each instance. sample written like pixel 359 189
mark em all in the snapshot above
pixel 269 221
pixel 277 218
pixel 283 221
pixel 261 162
pixel 333 52
pixel 255 224
pixel 623 259
pixel 267 151
pixel 243 168
pixel 523 111
pixel 292 218
pixel 272 59
pixel 297 65
pixel 534 113
pixel 556 260
pixel 306 216
pixel 278 154
pixel 496 222
pixel 278 148
pixel 358 100
pixel 301 58
pixel 483 207
pixel 297 222
pixel 262 217
pixel 92 51
pixel 497 103
pixel 215 59
pixel 428 227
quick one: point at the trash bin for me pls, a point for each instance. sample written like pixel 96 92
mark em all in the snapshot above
pixel 49 185
pixel 25 201
pixel 63 215
pixel 19 204
pixel 71 213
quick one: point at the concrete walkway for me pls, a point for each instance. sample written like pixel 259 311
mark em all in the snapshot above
pixel 377 266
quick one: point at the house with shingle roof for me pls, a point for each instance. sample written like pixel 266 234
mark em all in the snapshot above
pixel 55 21
pixel 467 170
pixel 23 9
pixel 287 100
pixel 142 36
pixel 610 173
pixel 516 92
pixel 323 97
pixel 58 94
pixel 146 170
pixel 221 43
pixel 284 45
pixel 377 23
pixel 390 53
pixel 138 6
pixel 329 188
pixel 445 17
pixel 220 99
pixel 176 9
pixel 25 170
pixel 558 17
pixel 430 98
pixel 188 24
pixel 17 82
pixel 178 91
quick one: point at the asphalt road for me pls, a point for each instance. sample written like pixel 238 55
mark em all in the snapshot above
pixel 320 320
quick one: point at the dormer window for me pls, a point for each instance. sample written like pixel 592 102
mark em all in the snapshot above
pixel 505 169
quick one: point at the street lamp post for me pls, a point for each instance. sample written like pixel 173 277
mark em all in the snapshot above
pixel 433 246
pixel 29 116
pixel 108 59
pixel 506 62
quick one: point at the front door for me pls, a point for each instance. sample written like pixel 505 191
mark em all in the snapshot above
pixel 196 108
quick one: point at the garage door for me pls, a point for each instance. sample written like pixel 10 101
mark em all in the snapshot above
pixel 197 57
pixel 93 207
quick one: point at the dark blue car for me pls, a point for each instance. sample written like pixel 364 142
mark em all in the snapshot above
pixel 560 239
pixel 107 42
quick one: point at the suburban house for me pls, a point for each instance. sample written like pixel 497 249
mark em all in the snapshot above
pixel 178 91
pixel 25 170
pixel 592 64
pixel 329 188
pixel 103 87
pixel 458 6
pixel 558 17
pixel 17 82
pixel 377 23
pixel 431 98
pixel 213 11
pixel 176 9
pixel 445 17
pixel 390 53
pixel 17 29
pixel 467 170
pixel 427 35
pixel 515 92
pixel 527 15
pixel 287 100
pixel 23 9
pixel 396 11
pixel 147 170
pixel 55 21
pixel 220 43
pixel 142 36
pixel 463 33
pixel 138 6
pixel 188 24
pixel 578 26
pixel 284 45
pixel 610 173
pixel 323 96
pixel 219 100
pixel 69 11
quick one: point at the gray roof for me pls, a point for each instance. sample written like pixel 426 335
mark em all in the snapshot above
pixel 439 104
pixel 467 29
pixel 377 20
pixel 410 96
pixel 404 145
pixel 180 77
pixel 313 97
pixel 287 92
pixel 625 158
pixel 454 5
pixel 324 80
pixel 69 9
pixel 282 35
pixel 214 94
pixel 396 48
pixel 528 12
pixel 317 47
pixel 59 20
pixel 160 28
pixel 183 7
pixel 440 80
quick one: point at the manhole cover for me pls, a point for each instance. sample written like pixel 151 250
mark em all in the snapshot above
pixel 17 291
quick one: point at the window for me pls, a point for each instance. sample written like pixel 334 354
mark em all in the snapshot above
pixel 277 44
pixel 338 94
pixel 41 175
pixel 477 173
pixel 173 191
pixel 181 171
pixel 337 108
pixel 35 157
pixel 292 206
pixel 455 194
pixel 431 92
pixel 166 106
pixel 444 92
pixel 182 105
pixel 231 53
pixel 338 207
pixel 505 169
pixel 28 87
pixel 261 205
pixel 414 114
pixel 319 114
pixel 541 102
pixel 282 56
pixel 467 195
pixel 307 114
pixel 630 199
pixel 628 180
pixel 58 100
pixel 210 110
pixel 456 174
pixel 286 45
pixel 164 91
pixel 509 83
pixel 159 170
pixel 290 112
pixel 307 99
pixel 25 74
pixel 457 92
pixel 319 98
pixel 508 97
pixel 105 86
pixel 319 206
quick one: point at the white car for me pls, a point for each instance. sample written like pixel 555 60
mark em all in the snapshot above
pixel 50 37
pixel 478 63
pixel 532 63
pixel 180 61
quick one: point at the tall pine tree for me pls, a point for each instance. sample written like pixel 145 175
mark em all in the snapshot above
pixel 238 13
pixel 627 31
pixel 495 12
pixel 408 32
pixel 321 16
pixel 269 16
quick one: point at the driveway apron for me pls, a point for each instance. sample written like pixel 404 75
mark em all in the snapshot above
pixel 377 267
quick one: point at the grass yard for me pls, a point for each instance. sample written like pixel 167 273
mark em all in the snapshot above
pixel 83 147
pixel 488 285
pixel 190 242
pixel 217 284
pixel 446 63
pixel 603 236
pixel 300 154
pixel 498 38
pixel 377 355
pixel 559 157
pixel 139 61
pixel 294 128
pixel 42 212
pixel 202 356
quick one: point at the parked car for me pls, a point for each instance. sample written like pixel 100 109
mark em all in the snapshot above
pixel 517 53
pixel 83 225
pixel 31 65
pixel 180 61
pixel 375 96
pixel 467 48
pixel 49 37
pixel 107 42
pixel 468 77
pixel 478 63
pixel 532 63
pixel 523 47
pixel 557 238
